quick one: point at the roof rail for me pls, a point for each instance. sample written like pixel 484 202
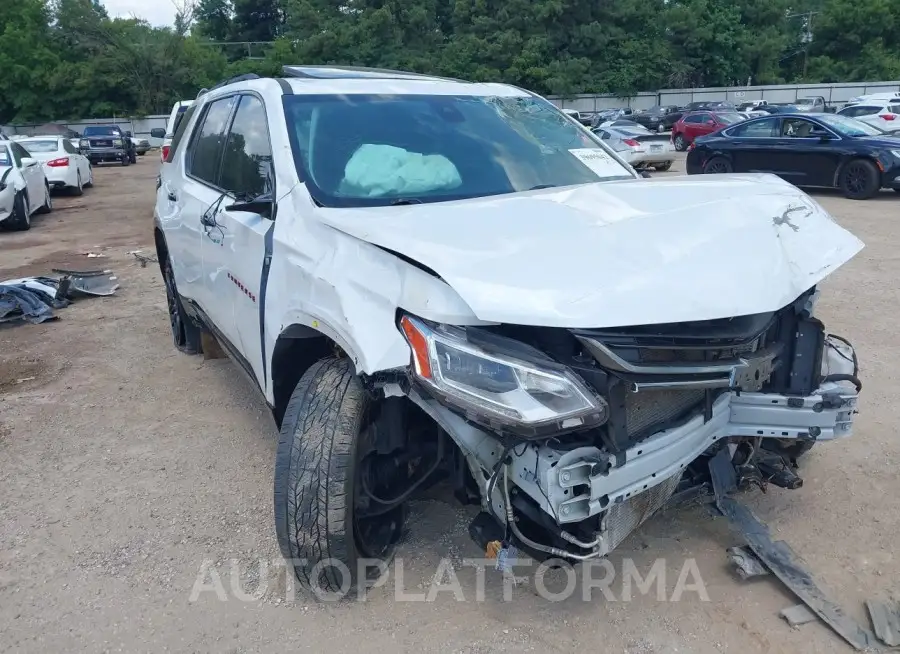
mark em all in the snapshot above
pixel 230 80
pixel 356 72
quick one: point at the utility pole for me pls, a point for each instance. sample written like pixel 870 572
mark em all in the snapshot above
pixel 807 37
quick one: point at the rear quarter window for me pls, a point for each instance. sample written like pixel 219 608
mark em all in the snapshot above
pixel 184 118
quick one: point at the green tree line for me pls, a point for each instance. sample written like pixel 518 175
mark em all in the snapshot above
pixel 67 59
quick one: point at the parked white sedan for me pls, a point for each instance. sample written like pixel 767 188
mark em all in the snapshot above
pixel 24 190
pixel 64 165
pixel 639 146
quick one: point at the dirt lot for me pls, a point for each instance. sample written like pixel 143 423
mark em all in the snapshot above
pixel 124 466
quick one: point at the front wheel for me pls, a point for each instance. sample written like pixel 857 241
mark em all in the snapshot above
pixel 325 532
pixel 126 161
pixel 681 143
pixel 860 179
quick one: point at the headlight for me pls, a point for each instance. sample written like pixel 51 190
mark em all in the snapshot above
pixel 84 143
pixel 117 141
pixel 496 388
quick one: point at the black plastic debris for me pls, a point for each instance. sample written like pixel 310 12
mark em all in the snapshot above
pixel 34 299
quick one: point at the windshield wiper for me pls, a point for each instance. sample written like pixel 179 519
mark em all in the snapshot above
pixel 401 201
pixel 540 186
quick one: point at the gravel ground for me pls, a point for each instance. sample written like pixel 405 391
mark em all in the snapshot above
pixel 126 467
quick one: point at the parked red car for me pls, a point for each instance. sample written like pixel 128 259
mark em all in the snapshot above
pixel 700 123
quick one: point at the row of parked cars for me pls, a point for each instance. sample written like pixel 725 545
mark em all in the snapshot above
pixel 30 168
pixel 854 149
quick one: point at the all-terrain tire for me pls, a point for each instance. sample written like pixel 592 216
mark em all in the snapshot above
pixel 315 478
pixel 185 334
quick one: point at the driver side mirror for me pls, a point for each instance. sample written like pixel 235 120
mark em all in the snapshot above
pixel 262 207
pixel 158 133
pixel 28 161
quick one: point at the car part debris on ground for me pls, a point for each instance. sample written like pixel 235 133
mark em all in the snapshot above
pixel 783 562
pixel 33 299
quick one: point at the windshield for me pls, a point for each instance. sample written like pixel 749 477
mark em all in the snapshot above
pixel 849 126
pixel 102 130
pixel 730 119
pixel 41 146
pixel 375 150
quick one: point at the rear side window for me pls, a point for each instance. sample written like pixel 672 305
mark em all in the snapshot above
pixel 182 123
pixel 761 128
pixel 43 146
pixel 247 162
pixel 205 155
pixel 693 118
pixel 853 112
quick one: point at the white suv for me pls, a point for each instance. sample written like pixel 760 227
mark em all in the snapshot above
pixel 433 279
pixel 884 115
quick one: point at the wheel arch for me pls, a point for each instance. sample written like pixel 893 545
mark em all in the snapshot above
pixel 845 161
pixel 162 249
pixel 297 348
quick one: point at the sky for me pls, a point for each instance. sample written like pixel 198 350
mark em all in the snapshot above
pixel 156 12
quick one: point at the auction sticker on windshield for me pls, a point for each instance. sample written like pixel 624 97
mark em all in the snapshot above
pixel 598 161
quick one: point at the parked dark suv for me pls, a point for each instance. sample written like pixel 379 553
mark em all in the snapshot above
pixel 101 143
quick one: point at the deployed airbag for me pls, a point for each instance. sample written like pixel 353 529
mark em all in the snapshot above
pixel 379 170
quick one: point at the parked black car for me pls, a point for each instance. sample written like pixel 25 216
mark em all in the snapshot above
pixel 707 105
pixel 780 108
pixel 658 118
pixel 100 143
pixel 806 150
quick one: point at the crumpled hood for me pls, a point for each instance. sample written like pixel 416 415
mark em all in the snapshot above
pixel 618 253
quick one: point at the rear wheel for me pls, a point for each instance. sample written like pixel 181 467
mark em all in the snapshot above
pixel 19 220
pixel 78 189
pixel 680 143
pixel 326 470
pixel 717 165
pixel 47 206
pixel 90 182
pixel 663 167
pixel 185 334
pixel 860 179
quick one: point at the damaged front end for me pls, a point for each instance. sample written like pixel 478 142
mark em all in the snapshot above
pixel 574 437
